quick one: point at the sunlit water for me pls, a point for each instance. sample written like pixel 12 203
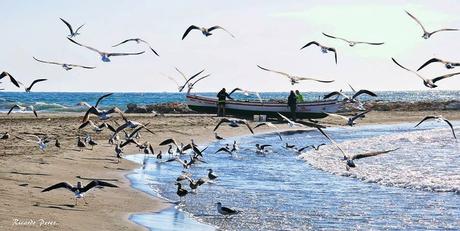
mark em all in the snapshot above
pixel 415 187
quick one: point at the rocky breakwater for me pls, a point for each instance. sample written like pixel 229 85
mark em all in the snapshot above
pixel 162 108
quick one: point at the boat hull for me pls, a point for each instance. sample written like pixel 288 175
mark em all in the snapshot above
pixel 305 110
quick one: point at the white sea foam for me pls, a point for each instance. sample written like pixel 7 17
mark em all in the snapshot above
pixel 427 160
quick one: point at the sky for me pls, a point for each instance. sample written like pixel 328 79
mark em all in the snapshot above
pixel 267 33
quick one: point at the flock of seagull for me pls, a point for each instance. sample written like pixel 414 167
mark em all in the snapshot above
pixel 191 154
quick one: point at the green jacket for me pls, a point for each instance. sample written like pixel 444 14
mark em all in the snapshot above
pixel 299 98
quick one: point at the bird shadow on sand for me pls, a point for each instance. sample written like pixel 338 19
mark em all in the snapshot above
pixel 29 173
pixel 67 207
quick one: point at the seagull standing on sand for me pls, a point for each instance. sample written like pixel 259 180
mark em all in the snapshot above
pixel 225 211
pixel 78 190
pixel 137 40
pixel 426 34
pixel 324 49
pixel 105 56
pixel 430 83
pixel 33 83
pixel 295 79
pixel 5 136
pixel 447 64
pixel 438 119
pixel 72 32
pixel 66 66
pixel 350 158
pixel 205 31
pixel 351 43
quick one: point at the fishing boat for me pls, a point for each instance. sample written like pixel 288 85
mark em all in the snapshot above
pixel 305 110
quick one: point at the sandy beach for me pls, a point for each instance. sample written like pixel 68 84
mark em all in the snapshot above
pixel 25 170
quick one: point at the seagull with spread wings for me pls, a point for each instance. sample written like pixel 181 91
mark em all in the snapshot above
pixel 137 40
pixel 23 108
pixel 78 190
pixel 426 34
pixel 269 124
pixel 234 122
pixel 350 158
pixel 205 31
pixel 324 49
pixel 439 119
pixel 353 98
pixel 350 120
pixel 295 79
pixel 66 66
pixel 72 32
pixel 352 43
pixel 430 83
pixel 105 56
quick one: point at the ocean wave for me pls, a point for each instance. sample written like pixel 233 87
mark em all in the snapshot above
pixel 427 160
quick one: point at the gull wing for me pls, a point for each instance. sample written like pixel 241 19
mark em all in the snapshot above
pixel 444 76
pixel 223 120
pixel 204 77
pixel 97 183
pixel 192 27
pixel 333 142
pixel 334 37
pixel 59 185
pixel 401 66
pixel 13 80
pixel 12 108
pixel 278 72
pixel 79 28
pixel 125 54
pixel 425 119
pixel 335 93
pixel 416 20
pixel 88 47
pixel 224 150
pixel 42 61
pixel 219 27
pixel 363 91
pixel 310 43
pixel 169 141
pixel 68 25
pixel 125 41
pixel 76 65
pixel 445 29
pixel 430 61
pixel 369 154
pixel 36 81
pixel 91 110
pixel 451 127
pixel 101 98
pixel 188 80
pixel 370 43
pixel 249 127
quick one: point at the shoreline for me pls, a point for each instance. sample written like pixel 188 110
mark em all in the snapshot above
pixel 23 163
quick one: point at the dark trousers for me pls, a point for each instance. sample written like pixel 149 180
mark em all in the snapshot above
pixel 293 113
pixel 220 109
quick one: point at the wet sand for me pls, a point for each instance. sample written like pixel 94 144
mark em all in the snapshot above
pixel 25 170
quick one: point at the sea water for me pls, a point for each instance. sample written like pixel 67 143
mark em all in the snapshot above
pixel 416 187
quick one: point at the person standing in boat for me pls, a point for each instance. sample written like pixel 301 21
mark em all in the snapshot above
pixel 221 97
pixel 292 104
pixel 299 96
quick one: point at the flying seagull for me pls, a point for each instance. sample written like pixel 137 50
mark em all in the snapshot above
pixel 187 80
pixel 105 56
pixel 298 124
pixel 350 120
pixel 66 66
pixel 72 32
pixel 430 83
pixel 23 108
pixel 78 190
pixel 351 43
pixel 438 118
pixel 427 34
pixel 42 142
pixel 225 211
pixel 137 40
pixel 447 64
pixel 13 80
pixel 348 158
pixel 204 30
pixel 233 122
pixel 246 93
pixel 295 79
pixel 324 49
pixel 353 98
pixel 33 83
